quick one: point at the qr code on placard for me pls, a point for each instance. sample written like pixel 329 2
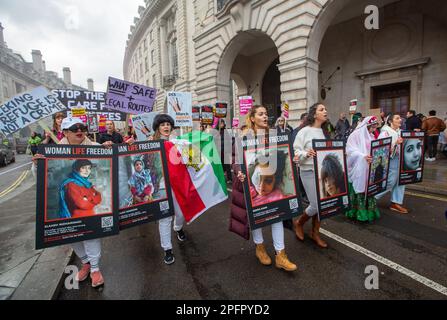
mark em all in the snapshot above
pixel 164 205
pixel 345 200
pixel 293 204
pixel 106 222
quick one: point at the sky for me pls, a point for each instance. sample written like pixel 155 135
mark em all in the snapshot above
pixel 89 36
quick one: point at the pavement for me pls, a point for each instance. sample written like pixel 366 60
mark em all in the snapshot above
pixel 435 177
pixel 409 250
pixel 25 273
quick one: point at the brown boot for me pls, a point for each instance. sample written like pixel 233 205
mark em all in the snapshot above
pixel 282 262
pixel 298 226
pixel 262 255
pixel 315 233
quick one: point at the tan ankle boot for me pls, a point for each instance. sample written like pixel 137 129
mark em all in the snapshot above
pixel 282 262
pixel 298 226
pixel 262 255
pixel 315 233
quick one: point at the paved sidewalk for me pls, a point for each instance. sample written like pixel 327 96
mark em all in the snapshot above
pixel 26 273
pixel 435 177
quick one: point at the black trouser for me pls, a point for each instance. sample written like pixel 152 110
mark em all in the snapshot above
pixel 432 146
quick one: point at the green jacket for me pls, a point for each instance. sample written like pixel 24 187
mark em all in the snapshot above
pixel 34 141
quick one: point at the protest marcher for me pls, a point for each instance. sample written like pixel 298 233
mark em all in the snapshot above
pixel 89 251
pixel 163 126
pixel 392 129
pixel 56 131
pixel 433 126
pixel 131 135
pixel 358 150
pixel 341 127
pixel 225 157
pixel 413 122
pixel 34 142
pixel 111 136
pixel 304 154
pixel 281 126
pixel 257 120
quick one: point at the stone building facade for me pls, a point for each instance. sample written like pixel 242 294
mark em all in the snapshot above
pixel 305 51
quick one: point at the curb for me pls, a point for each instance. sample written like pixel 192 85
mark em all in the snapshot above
pixel 45 279
pixel 430 190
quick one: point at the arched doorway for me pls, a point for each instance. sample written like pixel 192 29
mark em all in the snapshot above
pixel 249 63
pixel 399 67
pixel 271 91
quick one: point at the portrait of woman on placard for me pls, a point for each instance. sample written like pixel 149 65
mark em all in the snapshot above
pixel 140 183
pixel 332 177
pixel 77 196
pixel 412 153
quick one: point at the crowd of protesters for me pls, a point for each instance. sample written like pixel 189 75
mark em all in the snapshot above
pixel 314 124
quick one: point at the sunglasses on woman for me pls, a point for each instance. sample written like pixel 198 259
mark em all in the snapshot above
pixel 76 127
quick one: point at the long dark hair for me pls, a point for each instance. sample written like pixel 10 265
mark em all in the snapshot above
pixel 310 119
pixel 332 168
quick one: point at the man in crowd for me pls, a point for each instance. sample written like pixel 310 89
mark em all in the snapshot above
pixel 111 136
pixel 342 126
pixel 433 126
pixel 413 122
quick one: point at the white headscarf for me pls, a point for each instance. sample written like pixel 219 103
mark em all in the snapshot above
pixel 357 148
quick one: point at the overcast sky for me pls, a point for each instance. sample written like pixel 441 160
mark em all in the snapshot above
pixel 89 36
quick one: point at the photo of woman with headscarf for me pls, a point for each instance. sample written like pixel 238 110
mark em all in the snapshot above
pixel 266 181
pixel 412 153
pixel 140 183
pixel 77 196
pixel 332 176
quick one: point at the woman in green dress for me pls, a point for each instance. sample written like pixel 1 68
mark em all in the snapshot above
pixel 358 149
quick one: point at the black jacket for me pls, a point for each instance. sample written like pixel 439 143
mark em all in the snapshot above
pixel 413 122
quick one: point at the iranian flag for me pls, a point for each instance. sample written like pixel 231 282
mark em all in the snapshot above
pixel 196 174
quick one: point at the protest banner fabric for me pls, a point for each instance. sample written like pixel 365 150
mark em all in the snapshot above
pixel 267 199
pixel 76 194
pixel 26 108
pixel 180 108
pixel 130 97
pixel 92 101
pixel 144 188
pixel 196 174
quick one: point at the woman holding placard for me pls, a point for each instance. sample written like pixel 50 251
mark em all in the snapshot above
pixel 257 120
pixel 314 129
pixel 358 150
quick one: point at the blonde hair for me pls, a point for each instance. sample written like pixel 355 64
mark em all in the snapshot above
pixel 250 124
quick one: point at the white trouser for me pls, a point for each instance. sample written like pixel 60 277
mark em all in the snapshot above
pixel 308 179
pixel 179 220
pixel 277 235
pixel 89 251
pixel 164 227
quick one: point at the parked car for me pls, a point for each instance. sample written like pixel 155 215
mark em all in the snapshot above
pixel 7 155
pixel 21 145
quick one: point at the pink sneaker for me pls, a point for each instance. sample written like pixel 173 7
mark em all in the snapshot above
pixel 97 279
pixel 83 273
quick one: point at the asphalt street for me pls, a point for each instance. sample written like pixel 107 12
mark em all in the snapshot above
pixel 216 264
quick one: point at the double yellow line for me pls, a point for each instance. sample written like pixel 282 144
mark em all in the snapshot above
pixel 15 184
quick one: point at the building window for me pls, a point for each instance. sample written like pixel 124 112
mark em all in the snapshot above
pixel 153 57
pixel 221 4
pixel 146 64
pixel 174 58
pixel 154 81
